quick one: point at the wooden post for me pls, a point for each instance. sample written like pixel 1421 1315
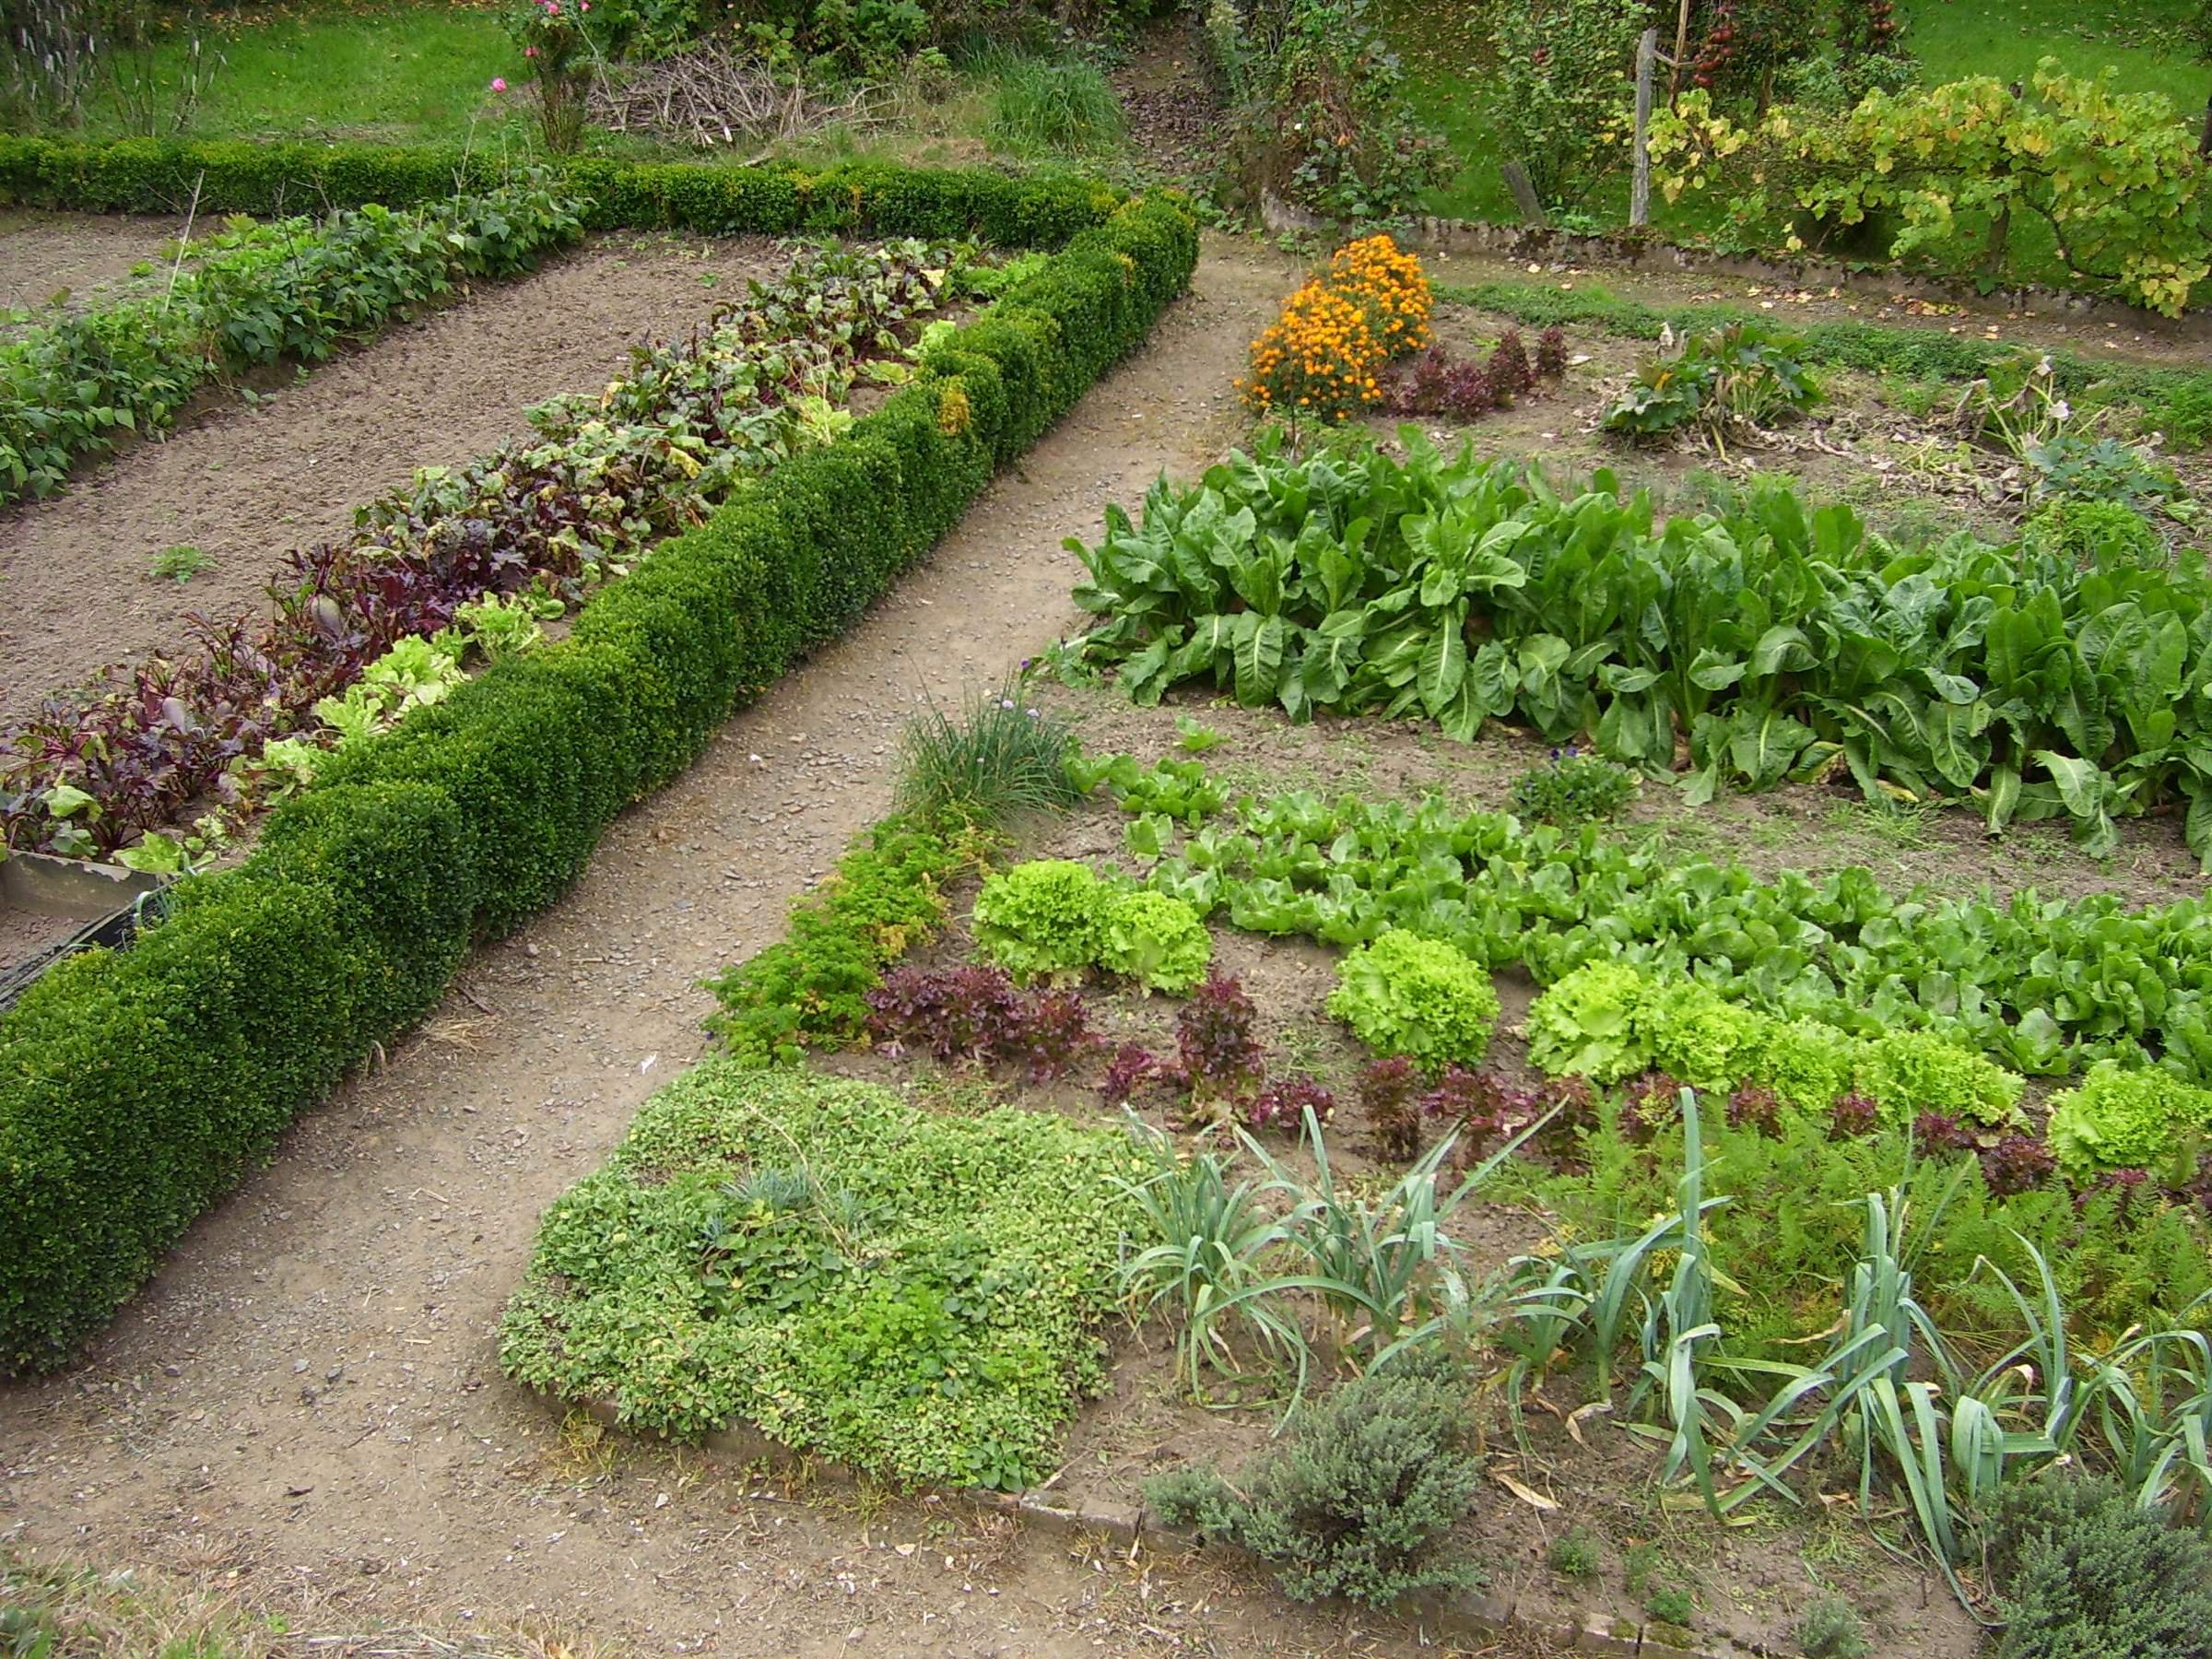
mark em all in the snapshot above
pixel 1674 78
pixel 1640 189
pixel 1524 194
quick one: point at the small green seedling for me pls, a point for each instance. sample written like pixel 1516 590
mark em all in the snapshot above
pixel 180 564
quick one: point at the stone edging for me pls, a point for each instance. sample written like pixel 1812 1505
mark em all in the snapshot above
pixel 1467 1614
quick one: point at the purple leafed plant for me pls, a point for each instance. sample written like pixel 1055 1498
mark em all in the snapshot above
pixel 1852 1116
pixel 2018 1163
pixel 1218 1056
pixel 1390 1099
pixel 974 1015
pixel 1284 1104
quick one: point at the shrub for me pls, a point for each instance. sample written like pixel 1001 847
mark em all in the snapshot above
pixel 1573 789
pixel 1043 919
pixel 1000 757
pixel 2118 1119
pixel 916 1294
pixel 1565 75
pixel 2081 1572
pixel 1368 1483
pixel 1155 940
pixel 1405 994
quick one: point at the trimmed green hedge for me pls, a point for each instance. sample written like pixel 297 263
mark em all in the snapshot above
pixel 136 1087
pixel 155 175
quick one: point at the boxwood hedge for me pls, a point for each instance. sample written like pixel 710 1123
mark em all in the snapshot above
pixel 136 1087
pixel 156 175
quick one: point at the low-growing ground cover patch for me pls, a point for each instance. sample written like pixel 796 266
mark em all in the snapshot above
pixel 915 1293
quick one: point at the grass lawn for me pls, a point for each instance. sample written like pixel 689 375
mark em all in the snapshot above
pixel 392 73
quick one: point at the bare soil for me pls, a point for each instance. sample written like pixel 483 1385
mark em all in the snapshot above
pixel 63 260
pixel 249 482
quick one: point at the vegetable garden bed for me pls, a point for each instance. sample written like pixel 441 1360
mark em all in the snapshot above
pixel 481 811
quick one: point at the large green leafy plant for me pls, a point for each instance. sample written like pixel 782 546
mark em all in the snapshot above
pixel 1767 642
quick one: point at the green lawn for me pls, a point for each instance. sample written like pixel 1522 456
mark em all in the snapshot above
pixel 399 73
pixel 2005 38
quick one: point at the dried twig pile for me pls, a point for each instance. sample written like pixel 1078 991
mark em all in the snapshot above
pixel 713 96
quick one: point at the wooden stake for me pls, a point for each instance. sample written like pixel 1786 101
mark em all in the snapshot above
pixel 1640 189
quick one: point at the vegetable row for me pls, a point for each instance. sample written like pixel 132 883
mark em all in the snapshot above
pixel 1760 644
pixel 600 478
pixel 250 296
pixel 2044 986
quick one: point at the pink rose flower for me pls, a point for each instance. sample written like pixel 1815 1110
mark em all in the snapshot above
pixel 498 83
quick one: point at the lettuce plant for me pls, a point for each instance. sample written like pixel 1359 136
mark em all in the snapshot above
pixel 1157 941
pixel 1405 994
pixel 2126 1120
pixel 1045 919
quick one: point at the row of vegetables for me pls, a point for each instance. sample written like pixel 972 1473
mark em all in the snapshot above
pixel 1920 1003
pixel 1741 648
pixel 528 529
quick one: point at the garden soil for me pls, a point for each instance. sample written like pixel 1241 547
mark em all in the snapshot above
pixel 65 260
pixel 245 483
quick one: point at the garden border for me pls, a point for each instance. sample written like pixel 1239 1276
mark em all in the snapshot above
pixel 778 199
pixel 137 1089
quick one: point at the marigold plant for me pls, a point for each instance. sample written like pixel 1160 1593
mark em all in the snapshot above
pixel 1391 285
pixel 1321 358
pixel 1318 359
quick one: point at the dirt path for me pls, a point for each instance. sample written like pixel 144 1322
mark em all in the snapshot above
pixel 46 257
pixel 246 484
pixel 309 1395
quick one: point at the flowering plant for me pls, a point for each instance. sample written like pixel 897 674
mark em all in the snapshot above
pixel 559 44
pixel 1321 358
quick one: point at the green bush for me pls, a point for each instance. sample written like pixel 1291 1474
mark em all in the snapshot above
pixel 1357 1500
pixel 2118 1119
pixel 860 198
pixel 135 1088
pixel 1046 919
pixel 913 1293
pixel 1158 941
pixel 1405 994
pixel 2082 1573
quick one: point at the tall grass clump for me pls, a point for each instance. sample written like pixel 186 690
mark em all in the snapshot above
pixel 1000 756
pixel 1050 107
